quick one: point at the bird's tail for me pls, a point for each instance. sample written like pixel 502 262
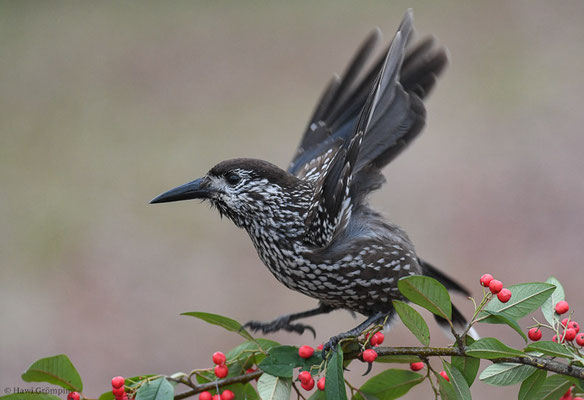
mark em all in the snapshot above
pixel 449 283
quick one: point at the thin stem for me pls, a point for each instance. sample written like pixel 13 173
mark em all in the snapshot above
pixel 538 362
pixel 298 391
pixel 429 377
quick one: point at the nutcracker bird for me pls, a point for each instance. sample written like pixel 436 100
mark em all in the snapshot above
pixel 311 224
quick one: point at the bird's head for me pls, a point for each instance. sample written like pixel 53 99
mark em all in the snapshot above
pixel 248 191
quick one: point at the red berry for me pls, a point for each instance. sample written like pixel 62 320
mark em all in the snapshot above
pixel 320 383
pixel 369 355
pixel 305 351
pixel 565 322
pixel 534 334
pixel 574 325
pixel 495 286
pixel 205 396
pixel 119 392
pixel 219 358
pixel 250 370
pixel 118 381
pixel 562 307
pixel 486 279
pixel 580 339
pixel 569 334
pixel 221 371
pixel 377 339
pixel 444 375
pixel 73 396
pixel 227 395
pixel 216 397
pixel 319 347
pixel 417 366
pixel 504 295
pixel 555 338
pixel 304 377
pixel 308 385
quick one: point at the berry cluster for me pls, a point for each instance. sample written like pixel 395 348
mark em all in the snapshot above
pixel 369 355
pixel 496 287
pixel 221 370
pixel 568 330
pixel 307 381
pixel 118 388
pixel 226 395
pixel 305 377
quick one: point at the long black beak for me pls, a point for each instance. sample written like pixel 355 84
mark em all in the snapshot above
pixel 188 191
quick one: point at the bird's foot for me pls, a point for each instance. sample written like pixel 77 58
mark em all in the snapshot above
pixel 331 345
pixel 333 342
pixel 279 324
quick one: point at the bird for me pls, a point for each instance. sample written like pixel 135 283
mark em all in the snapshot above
pixel 311 224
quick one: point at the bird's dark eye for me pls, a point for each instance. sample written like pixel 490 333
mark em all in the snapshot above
pixel 232 178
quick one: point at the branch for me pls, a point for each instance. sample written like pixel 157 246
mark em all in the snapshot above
pixel 537 362
pixel 422 352
pixel 220 383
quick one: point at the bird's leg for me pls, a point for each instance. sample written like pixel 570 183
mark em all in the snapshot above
pixel 284 322
pixel 332 343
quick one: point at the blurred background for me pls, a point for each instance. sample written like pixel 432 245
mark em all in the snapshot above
pixel 104 105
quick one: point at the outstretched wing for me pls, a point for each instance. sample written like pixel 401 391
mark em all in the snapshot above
pixel 362 123
pixel 399 113
pixel 331 203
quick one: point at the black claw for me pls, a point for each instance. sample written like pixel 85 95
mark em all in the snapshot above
pixel 277 325
pixel 369 366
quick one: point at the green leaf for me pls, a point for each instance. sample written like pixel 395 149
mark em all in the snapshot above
pixel 318 395
pixel 458 381
pixel 525 298
pixel 224 322
pixel 531 385
pixel 428 293
pixel 158 389
pixel 550 348
pixel 274 388
pixel 498 318
pixel 249 393
pixel 106 396
pixel 468 366
pixel 29 396
pixel 505 374
pixel 548 307
pixel 390 384
pixel 282 360
pixel 491 348
pixel 335 382
pixel 553 387
pixel 413 321
pixel 57 370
